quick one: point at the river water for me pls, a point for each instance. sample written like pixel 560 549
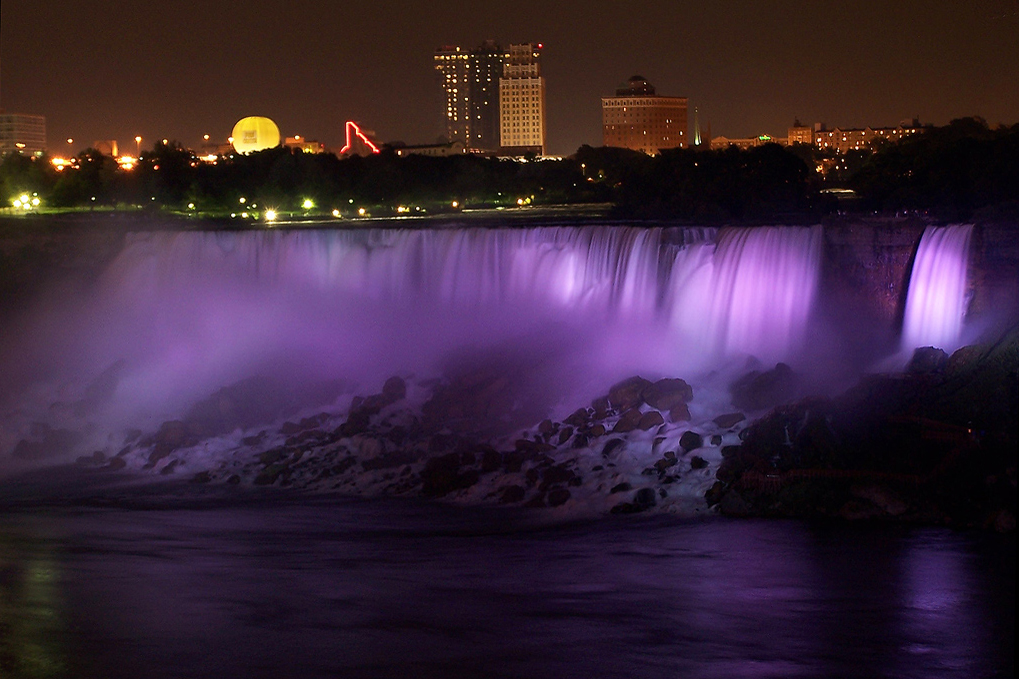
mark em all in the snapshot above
pixel 269 585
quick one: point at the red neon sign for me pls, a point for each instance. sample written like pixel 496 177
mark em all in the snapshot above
pixel 351 125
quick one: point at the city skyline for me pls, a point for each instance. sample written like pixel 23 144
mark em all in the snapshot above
pixel 748 67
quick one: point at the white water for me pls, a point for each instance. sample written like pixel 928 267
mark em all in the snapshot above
pixel 936 298
pixel 568 309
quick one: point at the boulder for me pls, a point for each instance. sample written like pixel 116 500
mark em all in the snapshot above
pixel 667 394
pixel 629 421
pixel 649 420
pixel 628 393
pixel 729 420
pixel 679 413
pixel 394 389
pixel 558 496
pixel 760 390
pixel 927 360
pixel 512 494
pixel 690 440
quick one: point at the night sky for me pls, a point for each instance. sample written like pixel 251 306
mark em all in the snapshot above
pixel 114 69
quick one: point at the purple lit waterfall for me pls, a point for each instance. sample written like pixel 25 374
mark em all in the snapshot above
pixel 936 299
pixel 178 315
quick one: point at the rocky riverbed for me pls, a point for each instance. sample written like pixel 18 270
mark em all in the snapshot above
pixel 934 444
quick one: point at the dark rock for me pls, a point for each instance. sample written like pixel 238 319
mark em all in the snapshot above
pixel 389 460
pixel 578 418
pixel 536 502
pixel 558 496
pixel 597 430
pixel 629 421
pixel 729 420
pixel 620 488
pixel 627 508
pixel 715 493
pixel 169 468
pixel 927 360
pixel 269 475
pixel 733 504
pixel 513 494
pixel 48 443
pixel 698 462
pixel 667 394
pixel 649 420
pixel 201 477
pixel 565 434
pixel 611 446
pixel 242 405
pixel 716 440
pixel 358 422
pixel 96 459
pixel 690 440
pixel 679 413
pixel 254 440
pixel 556 475
pixel 759 390
pixel 491 460
pixel 272 456
pixel 234 480
pixel 664 463
pixel 964 360
pixel 628 393
pixel 662 493
pixel 600 407
pixel 545 428
pixel 115 464
pixel 645 497
pixel 394 389
pixel 579 441
pixel 441 475
pixel 514 460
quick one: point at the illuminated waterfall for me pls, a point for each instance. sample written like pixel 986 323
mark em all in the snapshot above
pixel 936 299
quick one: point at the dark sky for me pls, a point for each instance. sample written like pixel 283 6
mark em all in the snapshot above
pixel 180 69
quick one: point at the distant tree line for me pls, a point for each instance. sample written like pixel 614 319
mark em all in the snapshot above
pixel 956 170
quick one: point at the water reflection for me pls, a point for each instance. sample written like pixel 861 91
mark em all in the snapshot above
pixel 381 589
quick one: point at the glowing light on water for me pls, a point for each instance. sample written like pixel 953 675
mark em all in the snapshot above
pixel 936 299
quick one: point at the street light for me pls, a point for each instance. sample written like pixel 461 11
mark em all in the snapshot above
pixel 138 147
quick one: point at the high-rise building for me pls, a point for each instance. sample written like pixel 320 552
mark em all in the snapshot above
pixel 452 64
pixel 485 65
pixel 470 86
pixel 522 101
pixel 22 133
pixel 637 118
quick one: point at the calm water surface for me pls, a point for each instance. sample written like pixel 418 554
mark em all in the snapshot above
pixel 277 587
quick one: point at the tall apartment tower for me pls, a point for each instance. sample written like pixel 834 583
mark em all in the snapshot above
pixel 637 118
pixel 454 72
pixel 485 68
pixel 470 86
pixel 522 101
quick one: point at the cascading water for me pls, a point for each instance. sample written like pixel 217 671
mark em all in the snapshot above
pixel 181 314
pixel 936 298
